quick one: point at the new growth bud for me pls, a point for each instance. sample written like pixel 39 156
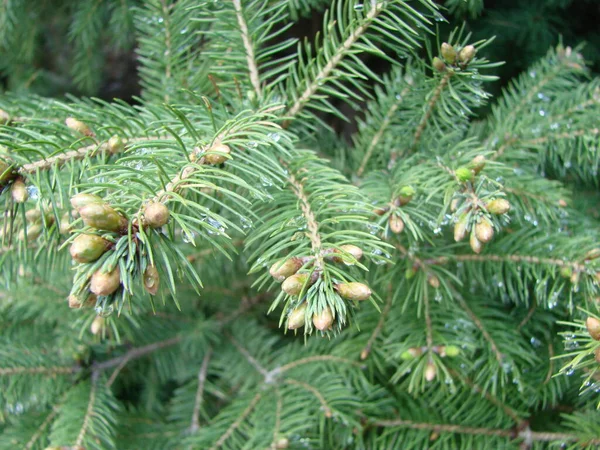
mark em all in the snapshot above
pixel 484 231
pixel 430 372
pixel 4 117
pixel 464 174
pixel 105 283
pixel 78 126
pixel 285 268
pixel 438 64
pixel 460 228
pixel 156 214
pixel 87 248
pixel 475 243
pixel 396 224
pixel 353 291
pixel 448 53
pixel 467 54
pixel 593 326
pixel 293 285
pixel 217 158
pixel 18 191
pixel 80 200
pixel 97 325
pixel 498 206
pixel 323 320
pixel 297 317
pixel 115 145
pixel 102 217
pixel 406 195
pixel 477 164
pixel 353 250
pixel 33 232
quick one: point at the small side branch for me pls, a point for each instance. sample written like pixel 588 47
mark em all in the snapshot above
pixel 250 59
pixel 253 362
pixel 195 425
pixel 315 392
pixel 41 429
pixel 481 328
pixel 89 412
pixel 50 371
pixel 506 258
pixel 235 425
pixel 377 331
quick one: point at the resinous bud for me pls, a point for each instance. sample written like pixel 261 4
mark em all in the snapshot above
pixel 438 64
pixel 217 158
pixel 87 248
pixel 593 326
pixel 293 285
pixel 477 164
pixel 448 53
pixel 151 280
pixel 353 291
pixel 484 231
pixel 297 317
pixel 79 126
pixel 498 206
pixel 156 215
pixel 323 320
pixel 396 224
pixel 18 191
pixel 467 54
pixel 434 282
pixel 105 283
pixel 460 228
pixel 102 217
pixel 285 268
pixel 406 195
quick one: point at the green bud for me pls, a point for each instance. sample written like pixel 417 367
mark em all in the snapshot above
pixel 460 228
pixel 115 145
pixel 87 248
pixel 80 200
pixel 156 215
pixel 498 206
pixel 323 320
pixel 297 317
pixel 411 353
pixel 33 232
pixel 217 158
pixel 593 326
pixel 406 195
pixel 18 191
pixel 151 280
pixel 396 224
pixel 566 272
pixel 464 174
pixel 410 273
pixel 79 126
pixel 285 268
pixel 475 243
pixel 448 53
pixel 452 351
pixel 293 285
pixel 103 217
pixel 4 117
pixel 353 291
pixel 282 443
pixel 105 283
pixel 477 164
pixel 65 225
pixel 467 54
pixel 484 231
pixel 438 64
pixel 352 250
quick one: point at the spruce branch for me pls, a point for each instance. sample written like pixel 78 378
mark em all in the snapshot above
pixel 202 374
pixel 41 429
pixel 314 391
pixel 364 354
pixel 89 411
pixel 235 425
pixel 249 47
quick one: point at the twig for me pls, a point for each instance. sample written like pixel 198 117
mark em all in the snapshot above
pixel 483 330
pixel 90 410
pixel 528 316
pixel 39 370
pixel 200 391
pixel 315 392
pixel 234 426
pixel 386 310
pixel 41 429
pixel 253 362
pixel 250 59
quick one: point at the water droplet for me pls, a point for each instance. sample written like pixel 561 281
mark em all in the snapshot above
pixel 275 137
pixel 252 144
pixel 542 112
pixel 245 222
pixel 359 7
pixel 189 237
pixel 535 342
pixel 33 192
pixel 532 73
pixel 104 310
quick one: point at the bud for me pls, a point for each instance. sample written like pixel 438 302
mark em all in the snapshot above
pixel 4 117
pixel 592 254
pixel 78 126
pixel 115 145
pixel 353 291
pixel 430 372
pixel 484 231
pixel 467 54
pixel 65 225
pixel 475 243
pixel 460 228
pixel 80 200
pixel 97 325
pixel 105 283
pixel 438 64
pixel 285 268
pixel 87 248
pixel 411 353
pixel 19 192
pixel 76 301
pixel 477 164
pixel 33 215
pixel 156 215
pixel 410 273
pixel 282 443
pixel 434 282
pixel 464 174
pixel 562 203
pixel 296 317
pixel 498 206
pixel 448 53
pixel 102 217
pixel 396 224
pixel 323 320
pixel 406 195
pixel 217 158
pixel 593 327
pixel 566 272
pixel 151 280
pixel 380 211
pixel 353 250
pixel 597 355
pixel 452 351
pixel 293 285
pixel 575 278
pixel 33 232
pixel 454 204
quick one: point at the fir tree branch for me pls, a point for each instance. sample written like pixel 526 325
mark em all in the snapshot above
pixel 384 124
pixel 313 87
pixel 135 353
pixel 89 411
pixel 38 433
pixel 315 392
pixel 311 359
pixel 506 258
pixel 252 66
pixel 483 330
pixel 428 325
pixel 528 316
pixel 50 371
pixel 278 409
pixel 364 354
pixel 251 360
pixel 550 363
pixel 194 426
pixel 167 53
pixel 525 434
pixel 234 426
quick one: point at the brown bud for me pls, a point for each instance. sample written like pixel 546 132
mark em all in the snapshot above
pixel 380 211
pixel 592 254
pixel 293 285
pixel 105 283
pixel 65 224
pixel 97 325
pixel 87 248
pixel 484 231
pixel 430 372
pixel 217 158
pixel 78 126
pixel 323 320
pixel 593 326
pixel 475 243
pixel 467 54
pixel 353 291
pixel 477 164
pixel 115 144
pixel 498 206
pixel 396 224
pixel 297 317
pixel 285 268
pixel 76 301
pixel 434 282
pixel 460 228
pixel 4 117
pixel 103 217
pixel 353 250
pixel 33 215
pixel 19 192
pixel 151 280
pixel 33 232
pixel 80 200
pixel 562 203
pixel 448 53
pixel 438 64
pixel 156 214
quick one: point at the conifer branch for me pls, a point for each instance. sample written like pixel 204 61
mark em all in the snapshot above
pixel 194 426
pixel 364 354
pixel 51 371
pixel 252 66
pixel 313 87
pixel 529 315
pixel 428 325
pixel 315 392
pixel 550 363
pixel 89 411
pixel 311 359
pixel 278 409
pixel 378 135
pixel 167 53
pixel 135 353
pixel 506 258
pixel 235 425
pixel 251 360
pixel 38 433
pixel 477 321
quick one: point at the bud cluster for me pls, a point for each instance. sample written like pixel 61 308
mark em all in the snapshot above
pixel 452 58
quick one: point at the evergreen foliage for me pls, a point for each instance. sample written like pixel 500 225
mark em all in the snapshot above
pixel 213 267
